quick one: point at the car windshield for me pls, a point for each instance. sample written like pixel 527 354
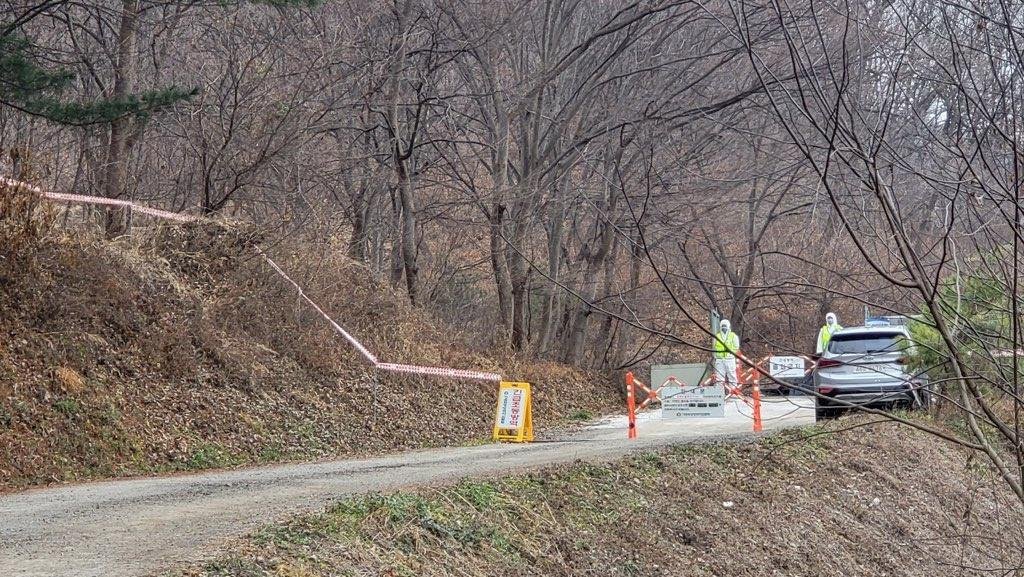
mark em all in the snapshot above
pixel 863 344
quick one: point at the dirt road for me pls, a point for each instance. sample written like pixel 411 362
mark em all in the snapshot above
pixel 142 526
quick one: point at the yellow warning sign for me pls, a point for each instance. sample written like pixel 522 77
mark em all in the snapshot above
pixel 513 419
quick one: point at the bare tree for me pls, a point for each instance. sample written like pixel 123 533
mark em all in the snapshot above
pixel 886 141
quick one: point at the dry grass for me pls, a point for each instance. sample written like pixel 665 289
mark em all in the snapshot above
pixel 71 382
pixel 24 219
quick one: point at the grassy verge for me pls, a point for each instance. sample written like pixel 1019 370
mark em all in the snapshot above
pixel 883 502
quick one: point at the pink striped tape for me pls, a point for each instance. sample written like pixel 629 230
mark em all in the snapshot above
pixel 440 372
pixel 178 217
pixel 164 214
pixel 18 183
pixel 352 340
pixel 83 199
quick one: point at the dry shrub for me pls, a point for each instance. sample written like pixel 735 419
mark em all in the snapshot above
pixel 296 570
pixel 71 382
pixel 25 218
pixel 204 251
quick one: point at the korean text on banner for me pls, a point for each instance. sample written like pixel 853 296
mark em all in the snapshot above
pixel 513 418
pixel 786 367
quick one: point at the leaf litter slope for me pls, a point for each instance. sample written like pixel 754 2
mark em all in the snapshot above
pixel 179 351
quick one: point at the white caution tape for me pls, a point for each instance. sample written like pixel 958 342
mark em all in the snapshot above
pixel 178 217
pixel 164 214
pixel 352 340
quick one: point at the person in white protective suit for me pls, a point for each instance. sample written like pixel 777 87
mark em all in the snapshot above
pixel 725 347
pixel 830 328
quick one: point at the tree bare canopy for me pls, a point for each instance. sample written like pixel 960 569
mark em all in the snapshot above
pixel 909 116
pixel 579 181
pixel 485 157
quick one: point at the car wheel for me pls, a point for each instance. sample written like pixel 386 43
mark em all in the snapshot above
pixel 824 413
pixel 924 398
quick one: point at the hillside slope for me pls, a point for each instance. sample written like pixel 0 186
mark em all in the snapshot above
pixel 180 350
pixel 882 501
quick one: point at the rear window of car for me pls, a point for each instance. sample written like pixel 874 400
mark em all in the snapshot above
pixel 863 344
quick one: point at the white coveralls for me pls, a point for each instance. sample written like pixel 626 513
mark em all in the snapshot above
pixel 725 371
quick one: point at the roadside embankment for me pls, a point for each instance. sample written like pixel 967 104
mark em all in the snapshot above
pixel 178 350
pixel 877 500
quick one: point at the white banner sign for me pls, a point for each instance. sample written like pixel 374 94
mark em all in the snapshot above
pixel 511 408
pixel 692 401
pixel 786 367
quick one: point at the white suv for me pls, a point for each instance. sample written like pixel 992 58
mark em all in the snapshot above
pixel 866 366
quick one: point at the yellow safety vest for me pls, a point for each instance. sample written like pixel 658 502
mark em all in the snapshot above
pixel 726 345
pixel 825 335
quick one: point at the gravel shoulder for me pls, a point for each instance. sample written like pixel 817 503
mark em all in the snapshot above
pixel 141 526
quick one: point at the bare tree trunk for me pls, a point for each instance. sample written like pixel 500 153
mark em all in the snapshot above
pixel 360 221
pixel 403 159
pixel 526 197
pixel 397 265
pixel 118 219
pixel 607 335
pixel 519 274
pixel 577 330
pixel 556 224
pixel 499 248
pixel 408 231
pixel 632 299
pixel 603 234
pixel 499 263
pixel 362 203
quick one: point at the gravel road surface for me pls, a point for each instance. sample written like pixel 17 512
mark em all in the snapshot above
pixel 138 527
